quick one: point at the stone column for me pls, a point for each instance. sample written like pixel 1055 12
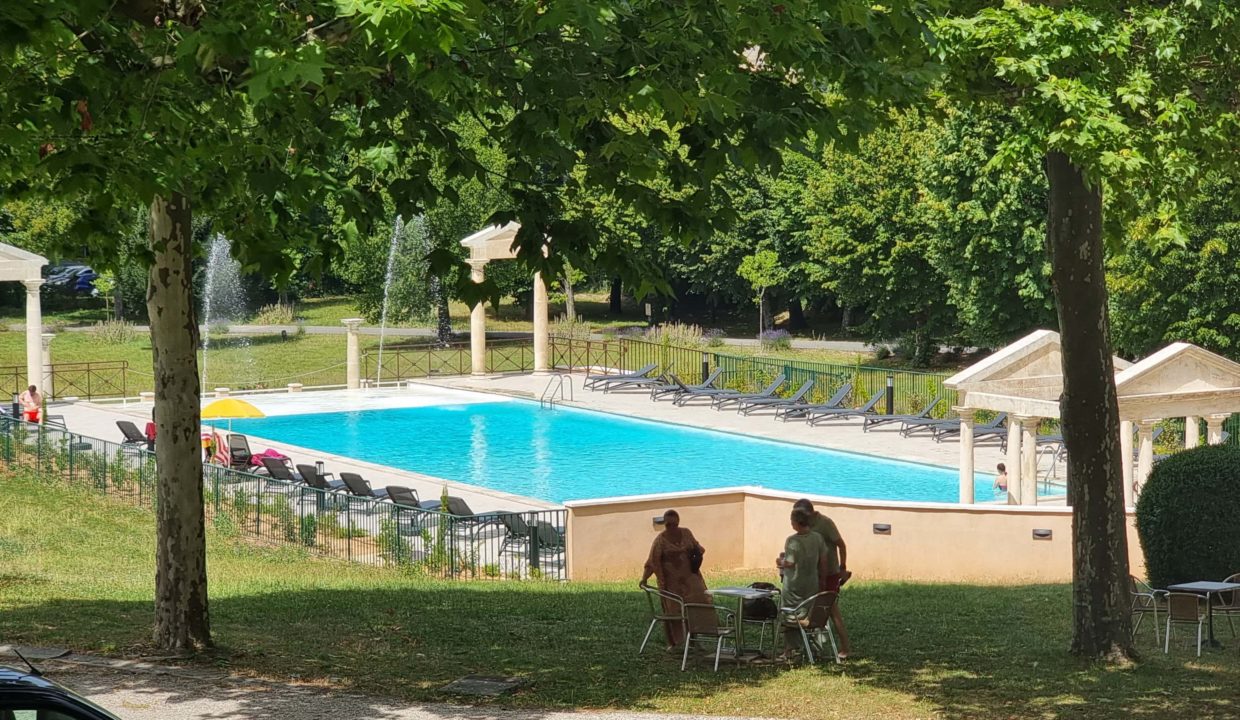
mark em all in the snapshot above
pixel 478 322
pixel 967 489
pixel 1125 458
pixel 541 326
pixel 45 382
pixel 1145 452
pixel 1192 432
pixel 353 354
pixel 34 331
pixel 1029 461
pixel 1214 428
pixel 1013 458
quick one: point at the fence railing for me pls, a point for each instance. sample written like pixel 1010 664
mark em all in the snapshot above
pixel 406 362
pixel 911 390
pixel 501 545
pixel 88 380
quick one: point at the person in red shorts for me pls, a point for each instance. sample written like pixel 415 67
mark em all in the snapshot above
pixel 837 569
pixel 32 404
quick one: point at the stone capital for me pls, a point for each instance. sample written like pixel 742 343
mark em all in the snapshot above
pixel 47 340
pixel 966 413
pixel 1144 426
pixel 1217 419
pixel 352 324
pixel 33 285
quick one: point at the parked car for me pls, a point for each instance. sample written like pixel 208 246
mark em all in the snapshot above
pixel 27 695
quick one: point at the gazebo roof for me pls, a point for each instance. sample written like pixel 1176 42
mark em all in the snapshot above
pixel 493 243
pixel 18 264
pixel 1026 378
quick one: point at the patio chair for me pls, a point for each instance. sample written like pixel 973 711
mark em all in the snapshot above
pixel 277 469
pixel 1185 609
pixel 358 486
pixel 408 497
pixel 1228 603
pixel 685 394
pixel 239 453
pixel 673 386
pixel 812 617
pixel 798 411
pixel 877 420
pixel 817 415
pixel 664 607
pixel 752 405
pixel 131 433
pixel 1146 601
pixel 603 382
pixel 721 401
pixel 697 629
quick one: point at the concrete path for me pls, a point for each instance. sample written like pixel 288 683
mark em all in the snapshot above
pixel 147 692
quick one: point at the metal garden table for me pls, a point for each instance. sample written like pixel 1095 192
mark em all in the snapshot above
pixel 1209 589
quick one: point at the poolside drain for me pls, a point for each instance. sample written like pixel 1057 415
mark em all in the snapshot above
pixel 483 685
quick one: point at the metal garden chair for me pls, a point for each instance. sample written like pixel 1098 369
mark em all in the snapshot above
pixel 812 617
pixel 1185 609
pixel 1146 601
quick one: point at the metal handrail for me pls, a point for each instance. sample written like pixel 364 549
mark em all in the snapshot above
pixel 556 385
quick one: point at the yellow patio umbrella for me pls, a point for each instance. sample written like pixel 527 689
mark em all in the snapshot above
pixel 230 409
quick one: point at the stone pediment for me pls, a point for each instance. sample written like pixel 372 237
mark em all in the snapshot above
pixel 18 264
pixel 1178 369
pixel 493 243
pixel 1030 366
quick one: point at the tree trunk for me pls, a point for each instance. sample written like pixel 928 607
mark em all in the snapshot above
pixel 118 301
pixel 181 621
pixel 616 289
pixel 1089 413
pixel 845 318
pixel 443 318
pixel 796 315
pixel 570 305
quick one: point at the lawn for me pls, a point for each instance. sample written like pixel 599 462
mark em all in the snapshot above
pixel 921 650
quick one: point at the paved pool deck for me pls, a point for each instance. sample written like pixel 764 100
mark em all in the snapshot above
pixel 99 420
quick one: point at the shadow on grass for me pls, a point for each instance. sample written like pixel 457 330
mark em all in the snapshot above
pixel 969 652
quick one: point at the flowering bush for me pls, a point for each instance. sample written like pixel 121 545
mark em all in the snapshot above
pixel 775 340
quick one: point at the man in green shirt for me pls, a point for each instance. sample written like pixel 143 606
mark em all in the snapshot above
pixel 803 563
pixel 837 564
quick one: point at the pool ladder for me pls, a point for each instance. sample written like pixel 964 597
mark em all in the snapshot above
pixel 556 388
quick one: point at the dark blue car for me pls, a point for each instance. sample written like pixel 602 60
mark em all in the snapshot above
pixel 26 696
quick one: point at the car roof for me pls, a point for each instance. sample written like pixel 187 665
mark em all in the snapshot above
pixel 12 677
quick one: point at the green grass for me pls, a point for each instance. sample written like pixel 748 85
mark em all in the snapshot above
pixel 76 570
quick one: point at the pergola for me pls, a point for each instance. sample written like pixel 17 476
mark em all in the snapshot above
pixel 1025 380
pixel 17 265
pixel 495 243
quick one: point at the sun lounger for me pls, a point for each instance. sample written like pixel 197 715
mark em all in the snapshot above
pixel 278 470
pixel 549 539
pixel 673 386
pixel 950 428
pixel 603 382
pixel 310 474
pixel 408 497
pixel 239 453
pixel 797 411
pixel 747 406
pixel 719 402
pixel 877 420
pixel 686 394
pixel 131 433
pixel 358 486
pixel 818 415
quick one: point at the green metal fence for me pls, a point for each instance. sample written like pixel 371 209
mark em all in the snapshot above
pixel 502 545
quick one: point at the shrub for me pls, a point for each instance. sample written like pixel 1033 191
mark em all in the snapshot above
pixel 714 337
pixel 275 315
pixel 576 329
pixel 1188 516
pixel 775 340
pixel 676 333
pixel 881 352
pixel 115 332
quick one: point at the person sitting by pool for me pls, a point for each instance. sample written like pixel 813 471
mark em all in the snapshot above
pixel 802 563
pixel 1000 483
pixel 675 558
pixel 32 404
pixel 151 431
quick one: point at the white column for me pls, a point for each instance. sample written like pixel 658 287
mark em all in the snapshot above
pixel 967 490
pixel 478 323
pixel 1125 458
pixel 353 354
pixel 34 332
pixel 1013 458
pixel 45 383
pixel 1192 432
pixel 1214 428
pixel 541 326
pixel 1029 461
pixel 1145 452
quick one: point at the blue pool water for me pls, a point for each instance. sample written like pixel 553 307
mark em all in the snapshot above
pixel 570 454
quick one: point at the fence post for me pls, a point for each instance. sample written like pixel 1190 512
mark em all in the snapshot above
pixel 533 552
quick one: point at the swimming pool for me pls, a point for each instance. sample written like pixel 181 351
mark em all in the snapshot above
pixel 571 454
